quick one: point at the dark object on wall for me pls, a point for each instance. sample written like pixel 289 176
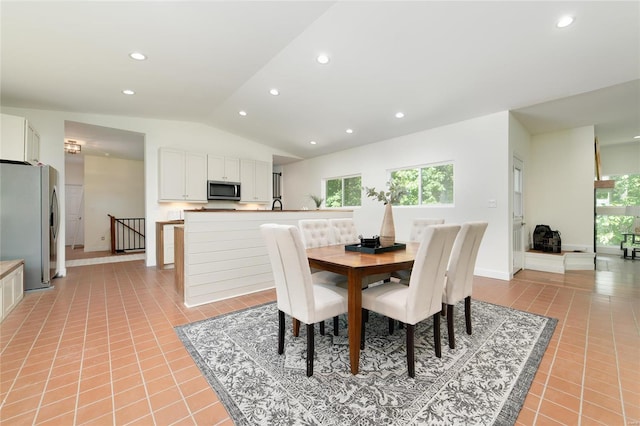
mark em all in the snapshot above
pixel 544 239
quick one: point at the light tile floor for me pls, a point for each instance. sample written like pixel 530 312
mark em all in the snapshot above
pixel 100 348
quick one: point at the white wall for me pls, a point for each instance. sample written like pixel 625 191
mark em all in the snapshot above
pixel 158 133
pixel 74 172
pixel 479 150
pixel 559 183
pixel 112 186
pixel 620 159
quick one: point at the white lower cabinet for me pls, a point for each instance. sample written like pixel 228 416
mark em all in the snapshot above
pixel 182 176
pixel 255 180
pixel 11 288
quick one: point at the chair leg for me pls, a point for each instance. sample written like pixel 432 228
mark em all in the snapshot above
pixel 310 350
pixel 322 328
pixel 411 361
pixel 467 313
pixel 280 332
pixel 391 323
pixel 336 326
pixel 443 312
pixel 436 334
pixel 452 338
pixel 362 329
pixel 296 327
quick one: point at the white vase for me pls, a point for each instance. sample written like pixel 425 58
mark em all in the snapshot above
pixel 388 230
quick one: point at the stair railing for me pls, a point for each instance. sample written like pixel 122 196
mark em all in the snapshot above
pixel 127 234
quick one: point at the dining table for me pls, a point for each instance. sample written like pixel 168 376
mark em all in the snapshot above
pixel 355 265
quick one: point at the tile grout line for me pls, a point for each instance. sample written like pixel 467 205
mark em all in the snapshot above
pixel 615 352
pixel 120 284
pixel 553 360
pixel 66 320
pixel 184 400
pixel 84 344
pixel 108 323
pixel 584 362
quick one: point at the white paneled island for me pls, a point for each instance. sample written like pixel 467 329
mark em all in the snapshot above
pixel 225 255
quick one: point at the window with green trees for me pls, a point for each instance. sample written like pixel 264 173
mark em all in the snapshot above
pixel 609 228
pixel 426 185
pixel 343 192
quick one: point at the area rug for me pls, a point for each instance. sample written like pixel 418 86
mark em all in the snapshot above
pixel 483 381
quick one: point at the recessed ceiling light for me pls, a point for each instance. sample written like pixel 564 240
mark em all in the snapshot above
pixel 137 56
pixel 313 142
pixel 274 92
pixel 399 114
pixel 243 113
pixel 565 21
pixel 349 131
pixel 128 92
pixel 322 59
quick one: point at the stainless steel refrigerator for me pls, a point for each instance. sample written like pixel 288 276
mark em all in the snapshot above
pixel 29 221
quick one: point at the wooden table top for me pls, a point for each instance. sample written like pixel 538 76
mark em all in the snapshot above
pixel 337 255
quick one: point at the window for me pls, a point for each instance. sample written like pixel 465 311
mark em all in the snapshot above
pixel 610 224
pixel 343 192
pixel 426 185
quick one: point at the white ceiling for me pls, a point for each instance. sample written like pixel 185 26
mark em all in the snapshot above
pixel 438 62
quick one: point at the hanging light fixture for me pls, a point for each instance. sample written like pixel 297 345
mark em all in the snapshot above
pixel 72 147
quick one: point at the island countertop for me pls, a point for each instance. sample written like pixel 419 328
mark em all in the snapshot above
pixel 8 266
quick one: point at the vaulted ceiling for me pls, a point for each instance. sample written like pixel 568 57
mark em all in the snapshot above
pixel 437 62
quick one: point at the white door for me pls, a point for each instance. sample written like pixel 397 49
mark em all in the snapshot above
pixel 519 237
pixel 74 205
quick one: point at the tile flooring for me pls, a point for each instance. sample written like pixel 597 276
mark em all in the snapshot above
pixel 100 349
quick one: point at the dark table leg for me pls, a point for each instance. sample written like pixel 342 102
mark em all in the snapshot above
pixel 354 318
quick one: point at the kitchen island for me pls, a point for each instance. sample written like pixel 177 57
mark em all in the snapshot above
pixel 225 255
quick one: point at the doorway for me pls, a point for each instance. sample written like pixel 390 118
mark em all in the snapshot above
pixel 74 207
pixel 105 177
pixel 519 235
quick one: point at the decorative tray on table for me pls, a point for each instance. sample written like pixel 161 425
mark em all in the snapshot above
pixel 374 250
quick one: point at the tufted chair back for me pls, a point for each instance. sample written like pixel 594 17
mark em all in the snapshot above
pixel 419 225
pixel 316 233
pixel 345 231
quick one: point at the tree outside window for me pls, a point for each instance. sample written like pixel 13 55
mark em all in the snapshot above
pixel 626 192
pixel 428 185
pixel 343 192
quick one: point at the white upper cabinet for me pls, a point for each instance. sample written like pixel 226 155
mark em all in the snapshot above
pixel 223 168
pixel 255 179
pixel 182 176
pixel 19 140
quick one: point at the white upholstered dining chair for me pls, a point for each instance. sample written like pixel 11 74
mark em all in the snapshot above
pixel 318 233
pixel 423 296
pixel 345 232
pixel 296 293
pixel 459 281
pixel 418 226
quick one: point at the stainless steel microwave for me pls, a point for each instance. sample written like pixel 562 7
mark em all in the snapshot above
pixel 223 190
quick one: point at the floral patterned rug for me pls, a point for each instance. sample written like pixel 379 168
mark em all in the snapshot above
pixel 483 381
